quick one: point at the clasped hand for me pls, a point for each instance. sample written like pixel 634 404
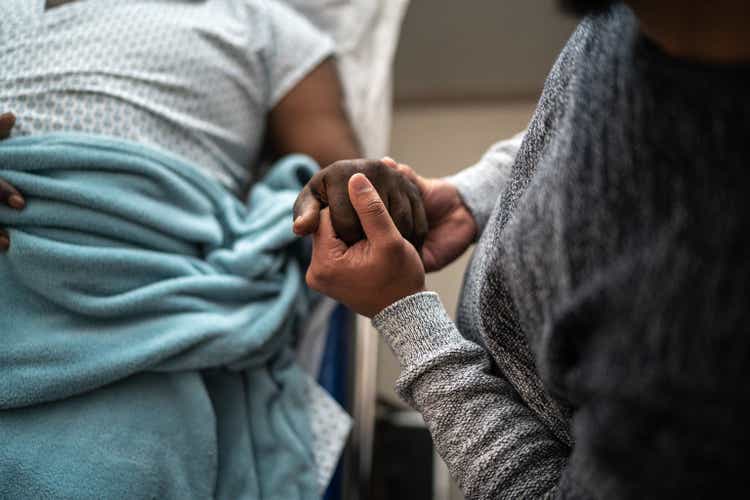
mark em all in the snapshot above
pixel 372 259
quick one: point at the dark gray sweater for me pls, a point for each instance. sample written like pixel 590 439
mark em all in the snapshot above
pixel 602 346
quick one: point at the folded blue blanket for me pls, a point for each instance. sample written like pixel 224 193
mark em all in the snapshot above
pixel 146 319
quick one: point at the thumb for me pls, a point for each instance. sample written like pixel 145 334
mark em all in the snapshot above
pixel 376 222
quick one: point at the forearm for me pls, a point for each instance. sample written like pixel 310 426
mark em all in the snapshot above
pixel 493 444
pixel 312 119
pixel 327 137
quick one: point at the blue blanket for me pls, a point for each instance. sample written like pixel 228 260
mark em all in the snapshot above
pixel 145 319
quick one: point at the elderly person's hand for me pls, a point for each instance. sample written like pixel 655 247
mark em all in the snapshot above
pixel 8 194
pixel 373 273
pixel 328 188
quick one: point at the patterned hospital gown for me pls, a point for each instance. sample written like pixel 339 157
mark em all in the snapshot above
pixel 196 78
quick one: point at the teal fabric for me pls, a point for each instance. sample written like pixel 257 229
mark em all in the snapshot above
pixel 146 321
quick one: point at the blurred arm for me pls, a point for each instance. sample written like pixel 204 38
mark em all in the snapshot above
pixel 312 119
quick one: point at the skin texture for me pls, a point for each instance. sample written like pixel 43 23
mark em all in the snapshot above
pixel 329 189
pixel 375 271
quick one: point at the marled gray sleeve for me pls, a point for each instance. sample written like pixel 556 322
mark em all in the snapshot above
pixel 482 184
pixel 493 444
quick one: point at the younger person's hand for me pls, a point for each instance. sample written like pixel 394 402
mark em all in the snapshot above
pixel 452 228
pixel 373 273
pixel 329 188
pixel 8 194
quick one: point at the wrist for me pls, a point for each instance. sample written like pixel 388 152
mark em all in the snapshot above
pixel 468 220
pixel 464 209
pixel 476 194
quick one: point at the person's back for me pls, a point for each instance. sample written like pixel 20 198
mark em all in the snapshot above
pixel 195 78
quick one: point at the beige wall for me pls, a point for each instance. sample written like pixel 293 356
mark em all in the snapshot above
pixel 465 49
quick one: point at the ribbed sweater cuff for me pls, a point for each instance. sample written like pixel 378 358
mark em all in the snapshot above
pixel 416 327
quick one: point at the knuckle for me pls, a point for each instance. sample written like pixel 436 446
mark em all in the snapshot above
pixel 315 184
pixel 405 180
pixel 315 178
pixel 381 166
pixel 337 165
pixel 345 167
pixel 400 212
pixel 318 276
pixel 311 283
pixel 298 205
pixel 393 247
pixel 310 279
pixel 313 280
pixel 405 226
pixel 376 169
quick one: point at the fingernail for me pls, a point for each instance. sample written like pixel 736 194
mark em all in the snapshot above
pixel 360 183
pixel 16 202
pixel 4 243
pixel 298 220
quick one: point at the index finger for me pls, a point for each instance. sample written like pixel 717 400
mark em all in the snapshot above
pixel 306 212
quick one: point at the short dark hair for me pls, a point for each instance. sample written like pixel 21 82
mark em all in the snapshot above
pixel 583 7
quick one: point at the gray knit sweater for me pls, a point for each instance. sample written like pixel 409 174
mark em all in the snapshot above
pixel 602 347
